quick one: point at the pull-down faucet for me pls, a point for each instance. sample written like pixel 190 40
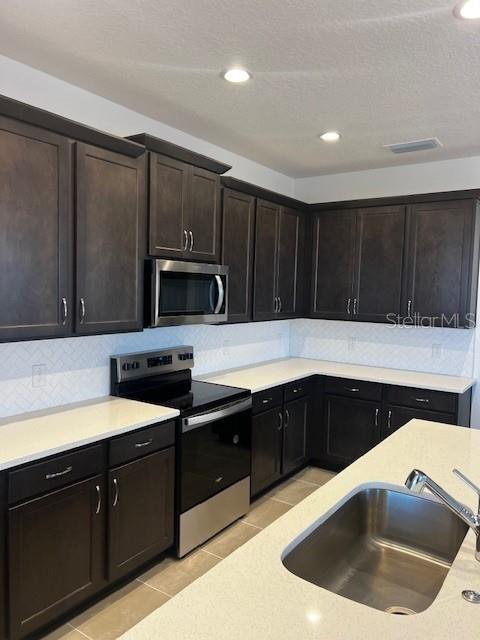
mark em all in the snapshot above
pixel 418 480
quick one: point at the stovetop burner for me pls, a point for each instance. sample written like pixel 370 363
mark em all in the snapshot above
pixel 141 377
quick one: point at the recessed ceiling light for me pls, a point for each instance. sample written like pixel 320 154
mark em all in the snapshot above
pixel 237 75
pixel 468 10
pixel 330 136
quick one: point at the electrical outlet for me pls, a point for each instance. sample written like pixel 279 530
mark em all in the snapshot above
pixel 436 350
pixel 39 371
pixel 351 343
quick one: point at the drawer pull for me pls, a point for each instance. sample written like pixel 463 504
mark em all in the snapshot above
pixel 287 417
pixel 140 445
pixel 425 400
pixel 99 500
pixel 389 420
pixel 267 400
pixel 58 474
pixel 377 411
pixel 116 495
pixel 280 422
pixel 297 390
pixel 352 389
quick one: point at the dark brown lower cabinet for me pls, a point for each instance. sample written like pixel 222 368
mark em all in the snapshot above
pixel 267 436
pixel 396 417
pixel 141 511
pixel 57 554
pixel 351 428
pixel 296 420
pixel 3 556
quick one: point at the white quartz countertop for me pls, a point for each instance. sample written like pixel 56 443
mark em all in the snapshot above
pixel 277 372
pixel 44 433
pixel 251 596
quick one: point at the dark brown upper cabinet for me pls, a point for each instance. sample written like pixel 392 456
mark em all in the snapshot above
pixel 110 214
pixel 333 264
pixel 278 283
pixel 357 264
pixel 442 263
pixel 237 252
pixel 36 232
pixel 184 211
pixel 377 285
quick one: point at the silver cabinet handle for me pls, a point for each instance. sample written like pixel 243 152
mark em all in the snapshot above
pixel 287 417
pixel 221 294
pixel 279 304
pixel 280 421
pixel 389 420
pixel 64 311
pixel 191 240
pixel 267 400
pixel 116 495
pixel 355 303
pixel 185 237
pixel 82 310
pixel 140 445
pixel 349 303
pixel 409 308
pixel 424 400
pixel 58 474
pixel 352 389
pixel 297 390
pixel 99 499
pixel 275 305
pixel 377 411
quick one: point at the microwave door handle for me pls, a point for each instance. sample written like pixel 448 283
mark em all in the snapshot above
pixel 221 294
pixel 210 295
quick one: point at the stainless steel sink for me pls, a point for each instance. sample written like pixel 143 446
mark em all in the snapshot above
pixel 386 549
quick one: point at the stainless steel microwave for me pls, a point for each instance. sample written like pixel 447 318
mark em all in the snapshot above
pixel 185 293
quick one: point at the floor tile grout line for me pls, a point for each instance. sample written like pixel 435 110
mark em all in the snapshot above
pixel 210 553
pixel 154 588
pixel 255 526
pixel 290 504
pixel 79 630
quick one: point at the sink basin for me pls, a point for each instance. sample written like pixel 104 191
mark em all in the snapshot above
pixel 383 548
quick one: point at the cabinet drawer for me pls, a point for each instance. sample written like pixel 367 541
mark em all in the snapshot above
pixel 264 400
pixel 297 389
pixel 54 473
pixel 354 388
pixel 139 443
pixel 423 399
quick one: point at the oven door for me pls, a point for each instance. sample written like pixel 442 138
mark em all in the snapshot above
pixel 188 293
pixel 215 452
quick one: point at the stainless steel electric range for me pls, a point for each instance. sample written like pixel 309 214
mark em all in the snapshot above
pixel 213 438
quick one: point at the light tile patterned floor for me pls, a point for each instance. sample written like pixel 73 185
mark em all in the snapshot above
pixel 120 611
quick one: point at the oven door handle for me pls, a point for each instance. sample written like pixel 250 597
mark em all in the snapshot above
pixel 221 294
pixel 188 424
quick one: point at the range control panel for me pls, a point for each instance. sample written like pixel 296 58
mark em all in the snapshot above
pixel 129 366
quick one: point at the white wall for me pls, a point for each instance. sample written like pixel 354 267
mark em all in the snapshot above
pixel 427 177
pixel 23 83
pixel 78 368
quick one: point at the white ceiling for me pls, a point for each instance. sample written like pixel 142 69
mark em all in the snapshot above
pixel 379 71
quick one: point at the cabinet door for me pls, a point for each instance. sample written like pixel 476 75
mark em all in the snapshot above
pixel 289 262
pixel 203 219
pixel 167 232
pixel 56 554
pixel 35 238
pixel 237 252
pixel 396 417
pixel 439 261
pixel 265 285
pixel 333 262
pixel 267 435
pixel 141 511
pixel 3 556
pixel 378 264
pixel 110 222
pixel 296 421
pixel 352 427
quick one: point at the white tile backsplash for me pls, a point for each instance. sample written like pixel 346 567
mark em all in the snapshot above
pixel 78 368
pixel 436 350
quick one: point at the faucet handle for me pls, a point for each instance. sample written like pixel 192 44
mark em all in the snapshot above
pixel 469 483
